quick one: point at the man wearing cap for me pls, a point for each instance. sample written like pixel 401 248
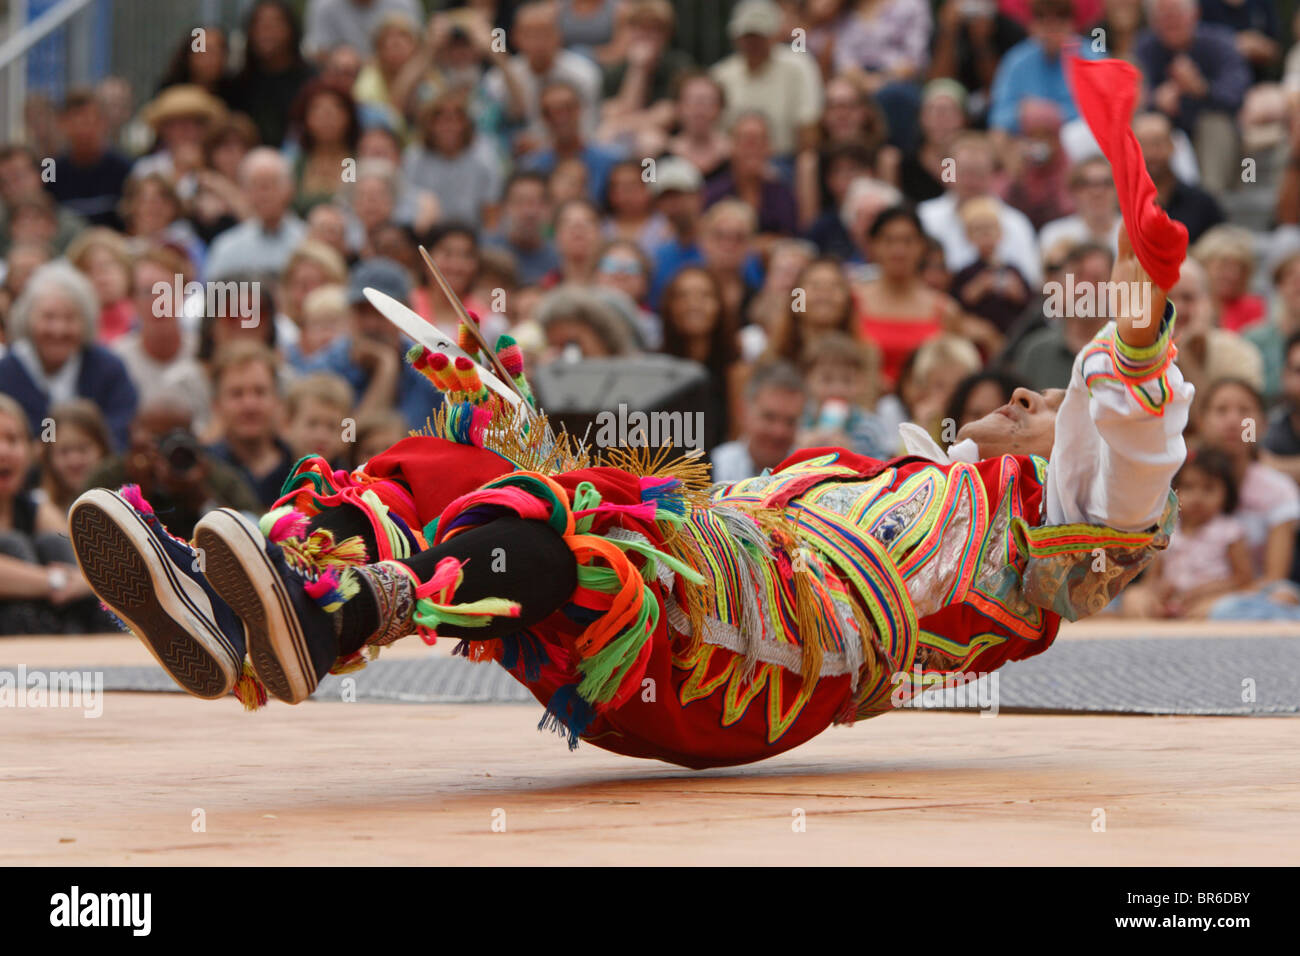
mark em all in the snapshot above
pixel 264 241
pixel 370 357
pixel 766 76
pixel 679 198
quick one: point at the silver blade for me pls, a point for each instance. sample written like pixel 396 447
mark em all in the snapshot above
pixel 469 323
pixel 414 327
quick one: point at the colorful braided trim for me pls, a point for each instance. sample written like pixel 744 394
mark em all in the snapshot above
pixel 613 602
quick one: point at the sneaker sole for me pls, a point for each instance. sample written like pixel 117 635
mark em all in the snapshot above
pixel 240 571
pixel 129 571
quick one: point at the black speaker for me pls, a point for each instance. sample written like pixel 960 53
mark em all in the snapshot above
pixel 644 400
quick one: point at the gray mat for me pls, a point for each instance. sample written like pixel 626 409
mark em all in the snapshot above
pixel 1164 675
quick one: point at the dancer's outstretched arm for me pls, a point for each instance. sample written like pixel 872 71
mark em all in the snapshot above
pixel 1119 431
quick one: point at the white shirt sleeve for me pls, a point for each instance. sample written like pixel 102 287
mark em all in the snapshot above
pixel 1119 434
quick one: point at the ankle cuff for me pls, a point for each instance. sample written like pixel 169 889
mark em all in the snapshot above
pixel 392 585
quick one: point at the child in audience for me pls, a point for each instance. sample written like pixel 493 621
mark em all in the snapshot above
pixel 78 443
pixel 843 378
pixel 324 318
pixel 989 288
pixel 1207 556
pixel 318 407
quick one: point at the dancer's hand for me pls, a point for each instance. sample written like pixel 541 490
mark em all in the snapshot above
pixel 1140 326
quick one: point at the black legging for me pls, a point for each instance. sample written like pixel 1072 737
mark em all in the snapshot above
pixel 518 559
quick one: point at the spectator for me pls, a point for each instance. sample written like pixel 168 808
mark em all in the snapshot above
pixel 274 69
pixel 1268 508
pixel 750 178
pixel 370 356
pixel 827 306
pixel 153 214
pixel 587 25
pixel 517 85
pixel 569 180
pixel 451 162
pixel 774 402
pixel 1198 80
pixel 1046 357
pixel 623 265
pixel 218 204
pixel 41 589
pixel 324 320
pixel 764 76
pixel 865 199
pixel 1121 26
pixel 630 205
pixel 24 258
pixel 376 433
pixel 1034 67
pixel 940 364
pixel 91 174
pixel 53 357
pixel 1228 255
pixel 102 257
pixel 388 82
pixel 202 64
pixel 372 201
pixel 638 87
pixel 1282 439
pixel 577 242
pixel 325 125
pixel 726 233
pixel 158 341
pixel 697 326
pixel 885 44
pixel 678 188
pixel 525 213
pixel 561 110
pixel 1270 335
pixel 841 166
pixel 312 265
pixel 580 323
pixel 843 380
pixel 175 475
pixel 190 377
pixel 988 288
pixel 1040 168
pixel 1207 353
pixel 335 23
pixel 1192 206
pixel 266 239
pixel 785 261
pixel 454 247
pixel 970 40
pixel 701 138
pixel 246 402
pixel 923 171
pixel 897 311
pixel 1207 556
pixel 20 178
pixel 1096 217
pixel 181 118
pixel 973 156
pixel 317 410
pixel 79 444
pixel 327 225
pixel 852 126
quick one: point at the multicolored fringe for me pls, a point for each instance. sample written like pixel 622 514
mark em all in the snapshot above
pixel 613 602
pixel 434 607
pixel 512 359
pixel 250 691
pixel 315 556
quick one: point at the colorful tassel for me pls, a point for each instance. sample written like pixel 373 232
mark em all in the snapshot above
pixel 248 690
pixel 568 715
pixel 434 607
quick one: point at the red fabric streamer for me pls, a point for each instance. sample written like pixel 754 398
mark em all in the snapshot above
pixel 1106 93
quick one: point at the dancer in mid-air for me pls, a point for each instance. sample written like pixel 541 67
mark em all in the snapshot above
pixel 654 615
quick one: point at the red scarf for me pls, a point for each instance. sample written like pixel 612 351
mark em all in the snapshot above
pixel 1106 94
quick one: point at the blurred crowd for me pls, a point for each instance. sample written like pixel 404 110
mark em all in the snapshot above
pixel 853 219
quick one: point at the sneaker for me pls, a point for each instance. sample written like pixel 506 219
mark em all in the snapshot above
pixel 292 643
pixel 153 582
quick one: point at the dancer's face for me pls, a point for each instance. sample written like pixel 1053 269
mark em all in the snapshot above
pixel 1026 425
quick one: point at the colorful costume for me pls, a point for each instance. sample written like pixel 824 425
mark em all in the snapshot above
pixel 717 626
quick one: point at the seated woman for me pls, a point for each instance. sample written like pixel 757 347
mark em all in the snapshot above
pixel 832 588
pixel 41 590
pixel 54 357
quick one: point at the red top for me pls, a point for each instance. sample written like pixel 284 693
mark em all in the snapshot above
pixel 897 338
pixel 1241 312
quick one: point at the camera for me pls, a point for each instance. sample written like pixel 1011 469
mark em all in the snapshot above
pixel 180 449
